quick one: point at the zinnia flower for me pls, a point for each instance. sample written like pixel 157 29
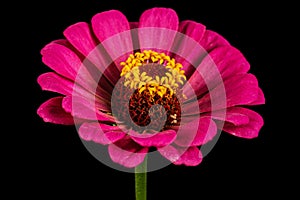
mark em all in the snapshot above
pixel 153 85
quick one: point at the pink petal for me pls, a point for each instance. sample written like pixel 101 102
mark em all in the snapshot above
pixel 160 18
pixel 113 23
pixel 191 156
pixel 249 130
pixel 157 140
pixel 192 29
pixel 52 111
pixel 81 37
pixel 157 29
pixel 196 133
pixel 241 89
pixel 85 109
pixel 228 59
pixel 223 61
pixel 61 59
pixel 196 85
pixel 109 23
pixel 100 102
pixel 186 45
pixel 212 40
pixel 127 153
pixel 229 115
pixel 53 82
pixel 100 133
pixel 260 98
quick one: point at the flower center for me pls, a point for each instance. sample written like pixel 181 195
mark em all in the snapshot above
pixel 151 82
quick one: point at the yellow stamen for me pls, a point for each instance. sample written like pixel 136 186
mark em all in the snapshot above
pixel 173 77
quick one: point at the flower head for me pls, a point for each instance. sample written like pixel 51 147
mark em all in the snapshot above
pixel 154 84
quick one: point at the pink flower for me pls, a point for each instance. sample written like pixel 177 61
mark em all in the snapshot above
pixel 158 89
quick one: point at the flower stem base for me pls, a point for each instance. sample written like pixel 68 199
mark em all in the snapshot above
pixel 141 181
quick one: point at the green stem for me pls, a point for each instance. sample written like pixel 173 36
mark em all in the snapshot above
pixel 141 181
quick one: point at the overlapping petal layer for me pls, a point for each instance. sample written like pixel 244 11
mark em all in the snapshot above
pixel 86 67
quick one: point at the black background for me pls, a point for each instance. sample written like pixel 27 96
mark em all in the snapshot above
pixel 59 165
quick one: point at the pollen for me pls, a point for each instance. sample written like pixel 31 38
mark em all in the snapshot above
pixel 138 77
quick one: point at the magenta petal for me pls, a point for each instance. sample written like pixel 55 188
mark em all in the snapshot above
pixel 187 46
pixel 221 62
pixel 249 130
pixel 260 98
pixel 100 133
pixel 157 29
pixel 241 89
pixel 191 156
pixel 192 29
pixel 80 36
pixel 212 40
pixel 53 82
pixel 159 17
pixel 127 153
pixel 228 60
pixel 233 117
pixel 113 23
pixel 85 109
pixel 109 23
pixel 61 56
pixel 52 111
pixel 196 133
pixel 196 85
pixel 160 139
pixel 61 59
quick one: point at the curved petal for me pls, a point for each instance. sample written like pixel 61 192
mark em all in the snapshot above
pixel 241 89
pixel 229 115
pixel 115 26
pixel 52 111
pixel 53 82
pixel 186 44
pixel 61 59
pixel 260 98
pixel 191 156
pixel 100 133
pixel 109 23
pixel 160 139
pixel 192 29
pixel 196 133
pixel 86 109
pixel 228 59
pixel 80 35
pixel 249 130
pixel 160 18
pixel 157 29
pixel 127 153
pixel 212 40
pixel 221 62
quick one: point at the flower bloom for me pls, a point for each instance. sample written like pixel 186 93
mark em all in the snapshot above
pixel 149 97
